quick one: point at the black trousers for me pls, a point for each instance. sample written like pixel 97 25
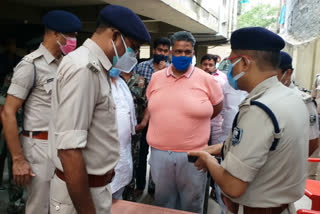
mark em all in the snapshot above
pixel 142 165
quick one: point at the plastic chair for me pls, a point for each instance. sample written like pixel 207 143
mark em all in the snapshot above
pixel 313 189
pixel 304 211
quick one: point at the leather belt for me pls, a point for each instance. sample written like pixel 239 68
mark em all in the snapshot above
pixel 93 180
pixel 234 207
pixel 41 135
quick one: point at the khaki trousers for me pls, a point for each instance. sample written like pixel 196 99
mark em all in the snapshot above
pixel 36 154
pixel 60 201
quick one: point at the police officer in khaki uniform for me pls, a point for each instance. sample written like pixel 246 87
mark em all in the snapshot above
pixel 31 87
pixel 265 156
pixel 284 75
pixel 83 137
pixel 316 92
pixel 285 72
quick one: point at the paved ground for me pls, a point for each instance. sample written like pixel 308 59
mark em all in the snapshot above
pixel 213 207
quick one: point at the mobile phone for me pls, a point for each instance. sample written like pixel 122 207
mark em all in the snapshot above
pixel 192 159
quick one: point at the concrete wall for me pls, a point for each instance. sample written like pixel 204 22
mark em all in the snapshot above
pixel 302 19
pixel 302 36
pixel 306 61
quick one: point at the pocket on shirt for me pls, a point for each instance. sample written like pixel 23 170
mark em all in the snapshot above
pixel 48 86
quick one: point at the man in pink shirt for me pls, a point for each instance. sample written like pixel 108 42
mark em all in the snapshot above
pixel 182 101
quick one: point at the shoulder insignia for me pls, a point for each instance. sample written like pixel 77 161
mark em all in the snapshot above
pixel 93 64
pixel 313 119
pixel 236 136
pixel 306 97
pixel 32 56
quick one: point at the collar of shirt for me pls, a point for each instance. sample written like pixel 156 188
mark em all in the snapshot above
pixel 260 89
pixel 46 53
pixel 96 50
pixel 187 74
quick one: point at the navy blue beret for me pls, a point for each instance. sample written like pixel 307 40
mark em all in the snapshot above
pixel 256 38
pixel 62 21
pixel 285 60
pixel 126 21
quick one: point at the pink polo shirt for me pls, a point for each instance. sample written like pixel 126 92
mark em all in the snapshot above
pixel 181 109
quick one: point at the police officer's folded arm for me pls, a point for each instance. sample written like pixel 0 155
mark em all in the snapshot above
pixel 248 146
pixel 246 151
pixel 76 101
pixel 76 92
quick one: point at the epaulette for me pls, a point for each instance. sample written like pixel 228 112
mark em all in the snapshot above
pixel 306 97
pixel 32 56
pixel 93 64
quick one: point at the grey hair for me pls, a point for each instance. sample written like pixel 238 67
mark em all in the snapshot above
pixel 183 36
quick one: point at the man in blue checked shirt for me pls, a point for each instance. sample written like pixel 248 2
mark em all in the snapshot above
pixel 161 51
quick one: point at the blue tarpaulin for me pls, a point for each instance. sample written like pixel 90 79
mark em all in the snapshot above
pixel 282 14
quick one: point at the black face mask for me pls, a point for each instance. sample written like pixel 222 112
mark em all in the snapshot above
pixel 158 58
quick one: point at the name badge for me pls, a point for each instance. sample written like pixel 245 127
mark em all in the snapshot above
pixel 313 119
pixel 236 136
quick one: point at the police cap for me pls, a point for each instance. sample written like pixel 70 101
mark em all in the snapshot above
pixel 62 21
pixel 126 21
pixel 256 38
pixel 285 61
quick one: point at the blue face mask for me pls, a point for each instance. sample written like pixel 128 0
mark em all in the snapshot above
pixel 114 72
pixel 181 63
pixel 233 80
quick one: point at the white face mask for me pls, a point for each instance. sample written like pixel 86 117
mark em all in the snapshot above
pixel 283 75
pixel 127 61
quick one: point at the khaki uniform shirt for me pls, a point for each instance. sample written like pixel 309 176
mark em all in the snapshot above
pixel 37 107
pixel 313 114
pixel 315 93
pixel 274 177
pixel 83 110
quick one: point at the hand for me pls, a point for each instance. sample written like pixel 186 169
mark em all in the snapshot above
pixel 21 172
pixel 214 149
pixel 140 127
pixel 203 158
pixel 162 65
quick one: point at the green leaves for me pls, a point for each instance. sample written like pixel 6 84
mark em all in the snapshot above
pixel 263 15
